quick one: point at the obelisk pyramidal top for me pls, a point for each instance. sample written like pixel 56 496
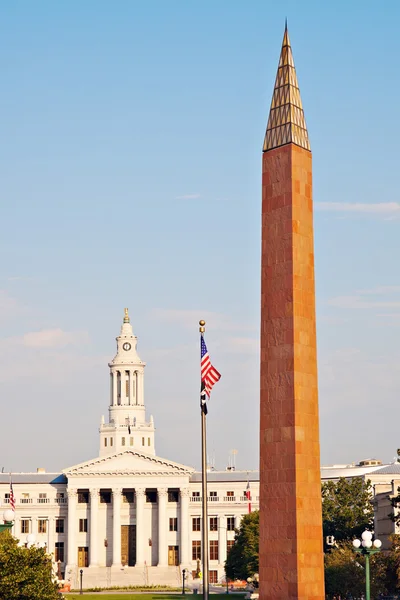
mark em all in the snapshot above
pixel 291 552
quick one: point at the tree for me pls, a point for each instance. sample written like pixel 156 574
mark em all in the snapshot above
pixel 345 573
pixel 25 573
pixel 242 560
pixel 346 508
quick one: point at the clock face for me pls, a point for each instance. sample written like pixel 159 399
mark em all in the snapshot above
pixel 127 346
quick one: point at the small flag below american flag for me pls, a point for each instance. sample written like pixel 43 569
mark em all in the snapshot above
pixel 12 497
pixel 209 375
pixel 248 496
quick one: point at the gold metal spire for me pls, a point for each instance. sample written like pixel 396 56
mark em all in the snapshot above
pixel 286 122
pixel 126 317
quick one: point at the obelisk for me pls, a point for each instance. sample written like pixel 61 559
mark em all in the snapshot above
pixel 291 553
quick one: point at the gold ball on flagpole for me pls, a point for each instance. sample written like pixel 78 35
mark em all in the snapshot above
pixel 202 323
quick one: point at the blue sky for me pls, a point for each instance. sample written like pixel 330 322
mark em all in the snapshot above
pixel 130 176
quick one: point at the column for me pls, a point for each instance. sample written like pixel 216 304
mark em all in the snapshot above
pixel 139 389
pixel 93 537
pixel 184 527
pixel 129 387
pixel 140 530
pixel 116 552
pixel 222 537
pixel 50 534
pixel 162 527
pixel 115 388
pixel 72 526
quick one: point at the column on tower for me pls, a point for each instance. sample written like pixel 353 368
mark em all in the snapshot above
pixel 93 542
pixel 116 550
pixel 162 527
pixel 184 526
pixel 50 534
pixel 140 494
pixel 115 388
pixel 222 537
pixel 139 391
pixel 131 384
pixel 71 550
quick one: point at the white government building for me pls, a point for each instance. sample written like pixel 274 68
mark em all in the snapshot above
pixel 129 517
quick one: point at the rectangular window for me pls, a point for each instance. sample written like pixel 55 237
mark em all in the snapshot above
pixel 195 494
pixel 59 525
pixel 123 441
pixel 25 525
pixel 214 550
pixel 213 494
pixel 111 441
pixel 127 388
pixel 196 550
pixel 230 494
pixel 230 523
pixel 82 525
pixel 173 524
pixel 59 552
pixel 173 495
pixel 105 497
pixel 83 497
pixel 142 441
pixel 148 441
pixel 131 441
pixel 42 525
pixel 229 545
pixel 213 577
pixel 60 495
pixel 105 441
pixel 196 524
pixel 213 524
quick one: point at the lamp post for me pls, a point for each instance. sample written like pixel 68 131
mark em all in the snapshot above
pixel 8 518
pixel 366 547
pixel 81 582
pixel 183 581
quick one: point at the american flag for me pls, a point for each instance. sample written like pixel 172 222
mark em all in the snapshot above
pixel 12 497
pixel 248 496
pixel 209 375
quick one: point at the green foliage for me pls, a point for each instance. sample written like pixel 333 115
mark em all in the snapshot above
pixel 242 560
pixel 25 573
pixel 346 508
pixel 345 573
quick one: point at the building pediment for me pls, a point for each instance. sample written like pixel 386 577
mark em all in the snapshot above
pixel 128 462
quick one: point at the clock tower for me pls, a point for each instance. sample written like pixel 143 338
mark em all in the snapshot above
pixel 127 428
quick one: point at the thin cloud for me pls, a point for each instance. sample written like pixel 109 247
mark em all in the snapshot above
pixel 380 289
pixel 360 302
pixel 381 208
pixel 188 197
pixel 53 338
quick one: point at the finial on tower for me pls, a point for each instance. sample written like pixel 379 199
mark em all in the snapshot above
pixel 202 327
pixel 126 317
pixel 286 122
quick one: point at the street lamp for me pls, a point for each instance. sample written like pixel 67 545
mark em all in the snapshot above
pixel 8 518
pixel 366 547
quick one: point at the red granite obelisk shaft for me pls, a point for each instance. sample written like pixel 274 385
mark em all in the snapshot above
pixel 291 551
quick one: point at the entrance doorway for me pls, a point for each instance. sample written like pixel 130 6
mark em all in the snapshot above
pixel 128 545
pixel 173 555
pixel 83 556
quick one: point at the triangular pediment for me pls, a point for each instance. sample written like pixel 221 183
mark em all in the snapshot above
pixel 129 462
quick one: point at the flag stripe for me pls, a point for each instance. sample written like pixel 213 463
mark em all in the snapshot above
pixel 209 374
pixel 12 497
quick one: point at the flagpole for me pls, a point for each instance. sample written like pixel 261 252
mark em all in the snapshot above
pixel 204 553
